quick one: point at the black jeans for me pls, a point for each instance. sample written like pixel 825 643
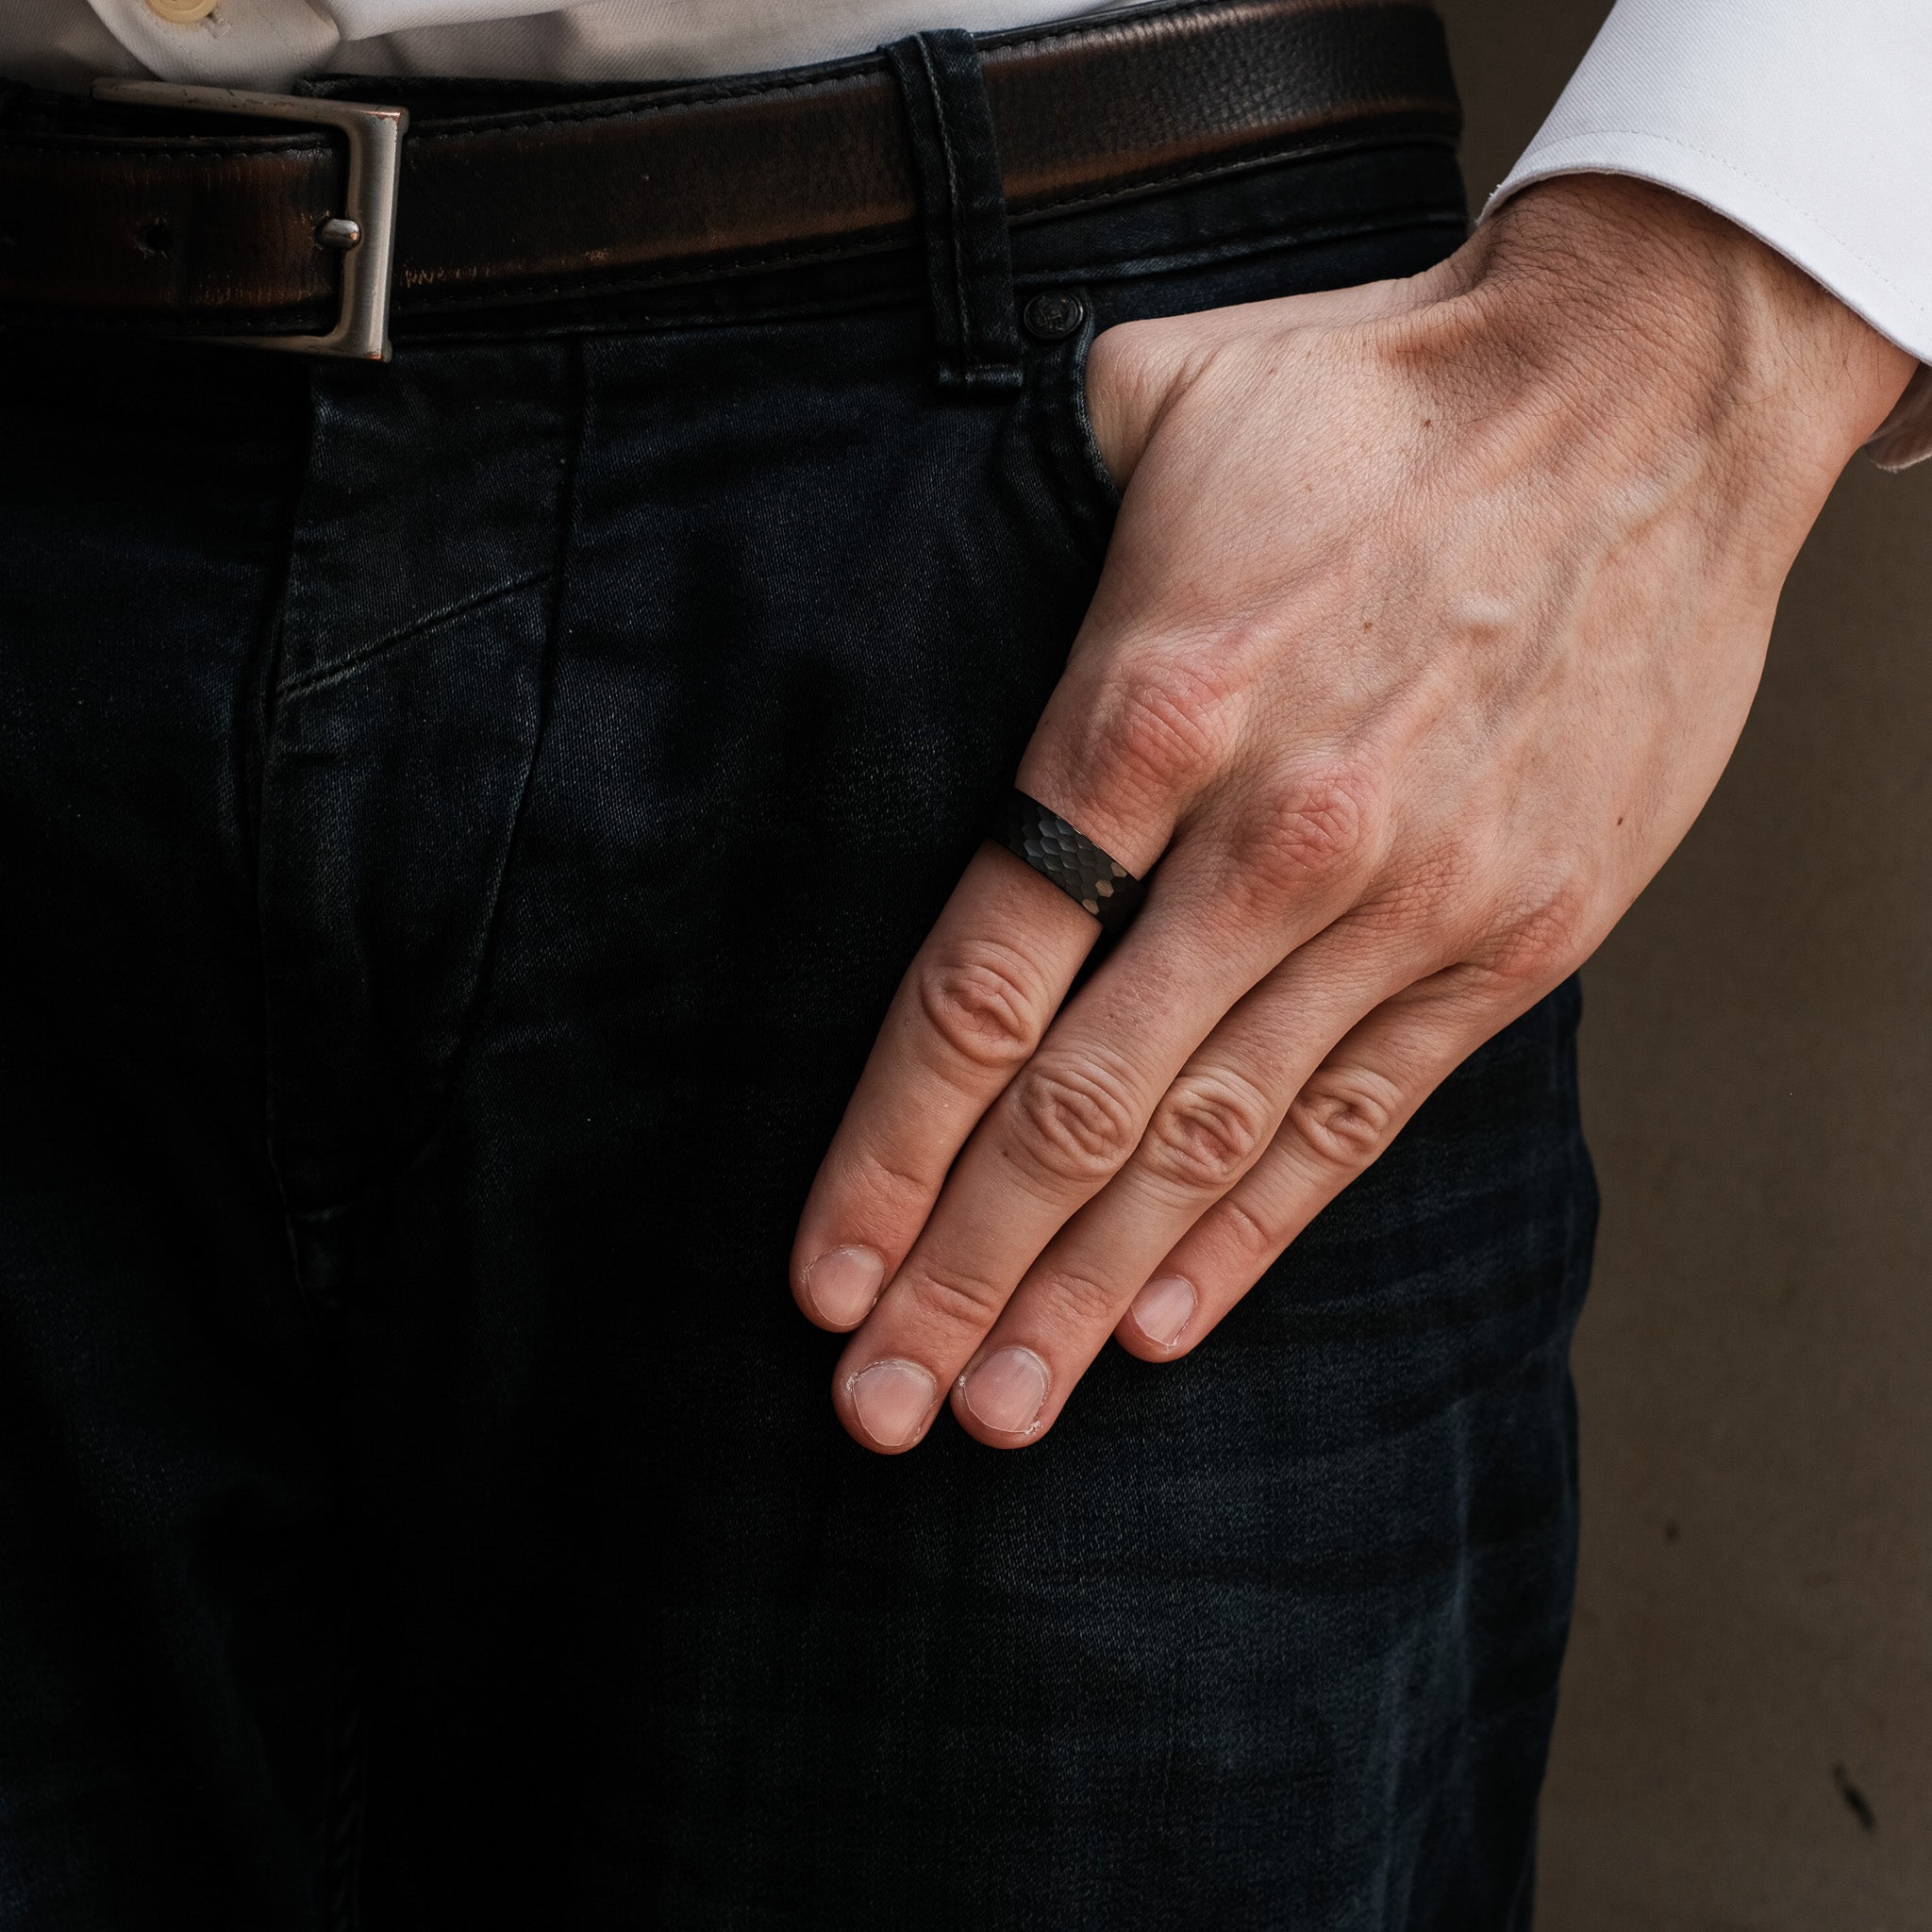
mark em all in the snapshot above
pixel 463 821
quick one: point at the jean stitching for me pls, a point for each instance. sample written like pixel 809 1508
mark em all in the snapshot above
pixel 365 654
pixel 558 573
pixel 962 319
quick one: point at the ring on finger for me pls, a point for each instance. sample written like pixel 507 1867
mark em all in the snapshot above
pixel 1064 855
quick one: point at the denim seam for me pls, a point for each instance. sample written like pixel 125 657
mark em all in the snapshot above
pixel 1084 493
pixel 953 224
pixel 366 653
pixel 1214 171
pixel 1252 245
pixel 558 574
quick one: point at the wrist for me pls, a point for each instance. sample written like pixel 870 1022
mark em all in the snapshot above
pixel 1643 319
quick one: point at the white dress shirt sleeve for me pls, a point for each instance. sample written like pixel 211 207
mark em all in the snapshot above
pixel 1807 122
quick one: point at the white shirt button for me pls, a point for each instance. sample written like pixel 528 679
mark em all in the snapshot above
pixel 180 12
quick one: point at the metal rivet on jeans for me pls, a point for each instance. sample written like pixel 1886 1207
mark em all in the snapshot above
pixel 1053 318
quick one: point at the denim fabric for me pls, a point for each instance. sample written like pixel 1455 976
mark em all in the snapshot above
pixel 461 825
pixel 963 208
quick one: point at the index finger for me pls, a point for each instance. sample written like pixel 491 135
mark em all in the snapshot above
pixel 965 1019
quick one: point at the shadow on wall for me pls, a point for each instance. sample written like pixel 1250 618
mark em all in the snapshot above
pixel 1745 1743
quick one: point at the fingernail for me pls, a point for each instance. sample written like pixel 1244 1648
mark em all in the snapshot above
pixel 892 1399
pixel 1007 1390
pixel 1163 1308
pixel 843 1285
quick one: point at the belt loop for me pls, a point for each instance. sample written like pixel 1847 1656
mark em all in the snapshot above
pixel 964 208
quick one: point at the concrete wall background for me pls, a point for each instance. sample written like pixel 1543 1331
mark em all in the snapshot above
pixel 1745 1742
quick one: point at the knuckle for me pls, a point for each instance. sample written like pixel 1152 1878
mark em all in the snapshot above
pixel 1071 1122
pixel 1345 1116
pixel 1251 1237
pixel 875 1188
pixel 1539 941
pixel 1206 1132
pixel 1158 730
pixel 1083 1301
pixel 951 1301
pixel 1318 828
pixel 984 1002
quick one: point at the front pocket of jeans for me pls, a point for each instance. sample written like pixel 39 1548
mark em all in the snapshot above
pixel 1097 467
pixel 1081 483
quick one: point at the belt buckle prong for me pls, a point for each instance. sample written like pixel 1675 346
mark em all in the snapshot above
pixel 363 233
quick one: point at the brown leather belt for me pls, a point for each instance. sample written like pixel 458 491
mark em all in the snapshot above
pixel 121 216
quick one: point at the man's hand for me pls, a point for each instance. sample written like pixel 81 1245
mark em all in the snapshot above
pixel 1434 610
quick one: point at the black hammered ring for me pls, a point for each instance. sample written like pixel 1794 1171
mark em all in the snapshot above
pixel 1101 884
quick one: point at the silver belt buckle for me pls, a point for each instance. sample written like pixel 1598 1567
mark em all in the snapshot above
pixel 364 233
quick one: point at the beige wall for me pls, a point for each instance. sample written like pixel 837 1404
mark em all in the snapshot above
pixel 1754 1628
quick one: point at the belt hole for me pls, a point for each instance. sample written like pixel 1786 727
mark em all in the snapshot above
pixel 156 238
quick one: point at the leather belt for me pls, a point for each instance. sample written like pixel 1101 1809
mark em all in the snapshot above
pixel 120 216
